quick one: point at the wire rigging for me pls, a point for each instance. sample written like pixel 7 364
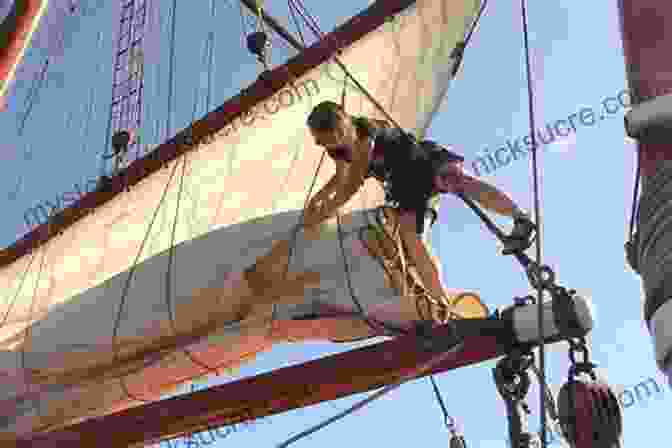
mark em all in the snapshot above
pixel 32 96
pixel 171 67
pixel 171 250
pixel 404 377
pixel 537 219
pixel 362 313
pixel 211 56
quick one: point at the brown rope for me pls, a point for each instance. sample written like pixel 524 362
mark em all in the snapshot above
pixel 412 286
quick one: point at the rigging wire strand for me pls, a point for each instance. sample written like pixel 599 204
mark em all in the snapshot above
pixel 171 250
pixel 211 56
pixel 411 374
pixel 635 193
pixel 537 215
pixel 27 333
pixel 348 276
pixel 127 284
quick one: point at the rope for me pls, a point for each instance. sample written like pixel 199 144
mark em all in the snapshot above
pixel 122 301
pixel 360 308
pixel 537 214
pixel 413 373
pixel 211 55
pixel 171 250
pixel 308 18
pixel 18 290
pixel 295 232
pixel 635 194
pixel 171 67
pixel 439 398
pixel 27 332
pixel 472 30
pixel 293 10
pixel 34 91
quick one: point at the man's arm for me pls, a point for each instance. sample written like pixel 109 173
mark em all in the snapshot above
pixel 329 189
pixel 489 196
pixel 340 192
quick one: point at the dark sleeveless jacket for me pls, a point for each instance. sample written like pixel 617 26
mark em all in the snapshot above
pixel 405 167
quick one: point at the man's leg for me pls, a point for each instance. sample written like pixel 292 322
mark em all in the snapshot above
pixel 419 254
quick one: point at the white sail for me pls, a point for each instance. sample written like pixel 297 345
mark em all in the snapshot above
pixel 243 190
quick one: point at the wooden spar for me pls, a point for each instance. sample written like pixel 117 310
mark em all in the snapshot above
pixel 279 391
pixel 16 31
pixel 185 140
pixel 647 40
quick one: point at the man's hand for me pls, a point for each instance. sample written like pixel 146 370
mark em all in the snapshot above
pixel 521 235
pixel 314 213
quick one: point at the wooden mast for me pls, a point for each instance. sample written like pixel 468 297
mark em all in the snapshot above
pixel 16 31
pixel 647 41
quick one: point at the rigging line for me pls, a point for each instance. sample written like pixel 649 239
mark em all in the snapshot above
pixel 311 17
pixel 550 401
pixel 359 86
pixel 295 233
pixel 410 375
pixel 362 313
pixel 171 250
pixel 31 91
pixel 169 272
pixel 439 398
pixel 171 69
pixel 211 55
pixel 24 276
pixel 127 283
pixel 87 122
pixel 32 99
pixel 165 191
pixel 132 270
pixel 108 130
pixel 348 277
pixel 293 11
pixel 472 29
pixel 537 218
pixel 27 331
pixel 245 24
pixel 635 193
pixel 391 329
pixel 308 18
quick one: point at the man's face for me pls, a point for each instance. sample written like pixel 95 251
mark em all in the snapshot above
pixel 336 142
pixel 329 139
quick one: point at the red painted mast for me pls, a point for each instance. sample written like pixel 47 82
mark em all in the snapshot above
pixel 16 30
pixel 647 42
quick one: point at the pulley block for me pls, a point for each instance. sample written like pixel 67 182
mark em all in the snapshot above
pixel 590 414
pixel 256 43
pixel 121 139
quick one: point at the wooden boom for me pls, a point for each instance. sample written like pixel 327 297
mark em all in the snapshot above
pixel 282 390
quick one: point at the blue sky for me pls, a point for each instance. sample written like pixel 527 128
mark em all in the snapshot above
pixel 586 190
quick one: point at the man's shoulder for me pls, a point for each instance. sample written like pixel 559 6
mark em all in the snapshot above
pixel 393 136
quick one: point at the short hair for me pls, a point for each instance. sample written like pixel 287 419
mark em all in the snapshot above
pixel 325 116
